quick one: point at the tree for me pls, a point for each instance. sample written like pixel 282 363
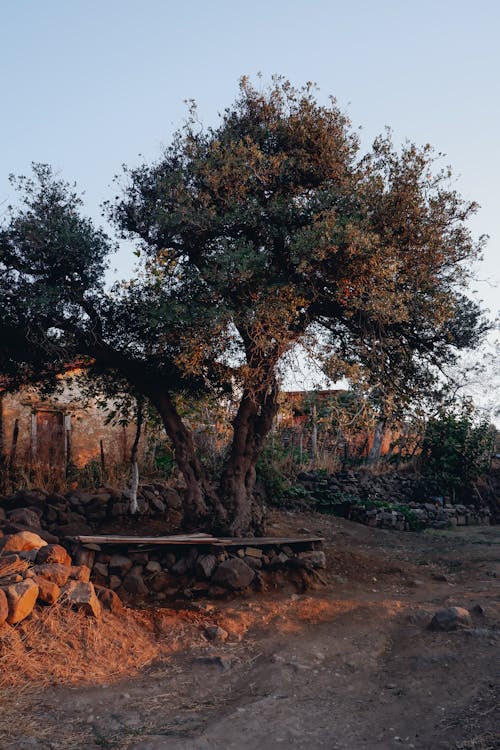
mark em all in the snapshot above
pixel 456 450
pixel 263 233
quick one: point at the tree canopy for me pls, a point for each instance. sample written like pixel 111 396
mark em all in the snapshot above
pixel 267 231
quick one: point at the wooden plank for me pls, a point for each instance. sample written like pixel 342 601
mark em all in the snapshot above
pixel 193 539
pixel 267 540
pixel 121 539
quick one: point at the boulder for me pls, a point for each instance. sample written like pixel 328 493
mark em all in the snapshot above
pixel 82 596
pixel 21 598
pixel 451 618
pixel 133 583
pixel 53 553
pixel 314 558
pixel 160 582
pixel 233 574
pixel 80 573
pixel 26 517
pixel 17 528
pixel 22 541
pixel 120 564
pixel 109 600
pixel 53 572
pixel 4 607
pixel 48 592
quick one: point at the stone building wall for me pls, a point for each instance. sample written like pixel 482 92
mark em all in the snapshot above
pixel 61 428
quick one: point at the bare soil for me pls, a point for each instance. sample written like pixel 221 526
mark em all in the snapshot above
pixel 349 665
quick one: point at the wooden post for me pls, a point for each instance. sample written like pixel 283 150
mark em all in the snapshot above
pixel 33 437
pixel 67 439
pixel 103 463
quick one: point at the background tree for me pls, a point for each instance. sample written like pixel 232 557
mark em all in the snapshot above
pixel 263 233
pixel 456 450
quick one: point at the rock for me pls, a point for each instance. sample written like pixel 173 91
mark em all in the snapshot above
pixel 53 572
pixel 22 541
pixel 133 583
pixel 17 528
pixel 205 565
pixel 21 598
pixel 120 564
pixel 82 596
pixel 102 569
pixel 477 609
pixel 315 558
pixel 114 582
pixel 53 553
pixel 216 633
pixel 156 504
pixel 4 607
pixel 26 517
pixel 153 567
pixel 181 567
pixel 109 600
pixel 160 582
pixel 253 562
pixel 48 592
pixel 169 560
pixel 83 556
pixel 172 499
pixel 451 618
pixel 80 573
pixel 233 574
pixel 253 552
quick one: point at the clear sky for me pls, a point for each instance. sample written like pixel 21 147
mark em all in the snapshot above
pixel 87 85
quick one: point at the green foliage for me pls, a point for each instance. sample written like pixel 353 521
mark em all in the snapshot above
pixel 456 450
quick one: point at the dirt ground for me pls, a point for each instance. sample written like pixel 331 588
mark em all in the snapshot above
pixel 349 665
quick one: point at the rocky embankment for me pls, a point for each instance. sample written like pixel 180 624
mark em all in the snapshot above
pixel 40 561
pixel 35 573
pixel 388 500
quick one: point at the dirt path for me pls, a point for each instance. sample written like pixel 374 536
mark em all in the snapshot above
pixel 350 665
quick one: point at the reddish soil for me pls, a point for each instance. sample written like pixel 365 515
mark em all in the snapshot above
pixel 350 665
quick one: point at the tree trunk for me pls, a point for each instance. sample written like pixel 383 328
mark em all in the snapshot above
pixel 378 439
pixel 134 481
pixel 201 504
pixel 252 423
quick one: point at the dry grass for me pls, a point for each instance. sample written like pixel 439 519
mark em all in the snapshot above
pixel 61 646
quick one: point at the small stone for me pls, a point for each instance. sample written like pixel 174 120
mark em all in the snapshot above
pixel 153 566
pixel 451 618
pixel 134 584
pixel 53 553
pixel 22 541
pixel 253 552
pixel 53 572
pixel 4 607
pixel 216 633
pixel 120 563
pixel 102 569
pixel 234 574
pixel 82 596
pixel 109 600
pixel 114 582
pixel 26 517
pixel 160 582
pixel 21 598
pixel 80 573
pixel 477 609
pixel 315 558
pixel 48 592
pixel 205 565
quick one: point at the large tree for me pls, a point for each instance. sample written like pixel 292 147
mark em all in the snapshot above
pixel 263 233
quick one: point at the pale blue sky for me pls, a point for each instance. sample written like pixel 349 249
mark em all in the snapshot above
pixel 87 85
